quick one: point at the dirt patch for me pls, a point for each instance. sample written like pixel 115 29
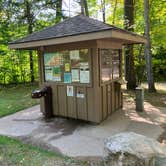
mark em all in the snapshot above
pixel 155 104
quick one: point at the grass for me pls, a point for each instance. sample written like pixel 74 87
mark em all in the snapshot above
pixel 15 153
pixel 16 98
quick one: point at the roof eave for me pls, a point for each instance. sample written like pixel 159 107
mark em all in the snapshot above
pixel 128 38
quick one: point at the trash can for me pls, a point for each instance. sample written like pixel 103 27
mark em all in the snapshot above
pixel 139 92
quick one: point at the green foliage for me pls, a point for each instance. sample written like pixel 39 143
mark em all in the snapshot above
pixel 14 65
pixel 159 64
pixel 17 19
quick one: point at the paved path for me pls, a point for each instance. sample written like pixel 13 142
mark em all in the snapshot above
pixel 80 139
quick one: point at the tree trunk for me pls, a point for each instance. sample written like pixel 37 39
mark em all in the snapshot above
pixel 148 57
pixel 129 56
pixel 103 9
pixel 29 17
pixel 84 8
pixel 114 12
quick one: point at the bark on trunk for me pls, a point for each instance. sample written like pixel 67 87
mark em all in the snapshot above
pixel 103 9
pixel 84 8
pixel 148 57
pixel 29 16
pixel 114 12
pixel 129 56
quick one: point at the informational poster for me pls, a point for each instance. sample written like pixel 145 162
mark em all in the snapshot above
pixel 56 72
pixel 52 62
pixel 67 67
pixel 75 75
pixel 67 77
pixel 74 54
pixel 70 91
pixel 84 72
pixel 52 59
pixel 48 73
pixel 75 63
pixel 84 76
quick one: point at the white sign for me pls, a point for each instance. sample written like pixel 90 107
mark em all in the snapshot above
pixel 75 75
pixel 84 77
pixel 75 54
pixel 84 66
pixel 80 95
pixel 70 91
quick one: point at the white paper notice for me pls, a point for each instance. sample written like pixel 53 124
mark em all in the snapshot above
pixel 75 75
pixel 70 91
pixel 80 95
pixel 75 54
pixel 48 75
pixel 84 76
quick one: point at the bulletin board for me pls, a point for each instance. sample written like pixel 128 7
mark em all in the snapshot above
pixel 68 66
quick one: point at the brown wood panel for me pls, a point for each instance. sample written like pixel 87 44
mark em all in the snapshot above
pixel 71 46
pixel 71 106
pixel 117 92
pixel 113 97
pixel 81 98
pixel 117 87
pixel 109 99
pixel 121 102
pixel 109 43
pixel 41 67
pixel 90 104
pixel 97 91
pixel 55 99
pixel 104 101
pixel 62 100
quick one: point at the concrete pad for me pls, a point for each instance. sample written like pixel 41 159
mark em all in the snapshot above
pixel 77 138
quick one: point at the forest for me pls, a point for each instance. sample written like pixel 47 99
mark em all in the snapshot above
pixel 19 18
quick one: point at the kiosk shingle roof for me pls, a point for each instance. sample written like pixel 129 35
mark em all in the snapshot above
pixel 73 26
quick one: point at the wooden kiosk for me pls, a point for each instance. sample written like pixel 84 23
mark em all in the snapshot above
pixel 80 59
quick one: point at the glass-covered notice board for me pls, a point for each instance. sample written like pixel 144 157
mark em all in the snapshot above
pixel 67 66
pixel 110 64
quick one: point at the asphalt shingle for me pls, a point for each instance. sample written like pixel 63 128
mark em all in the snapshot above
pixel 73 26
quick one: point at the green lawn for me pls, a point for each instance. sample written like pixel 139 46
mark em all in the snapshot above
pixel 14 152
pixel 16 98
